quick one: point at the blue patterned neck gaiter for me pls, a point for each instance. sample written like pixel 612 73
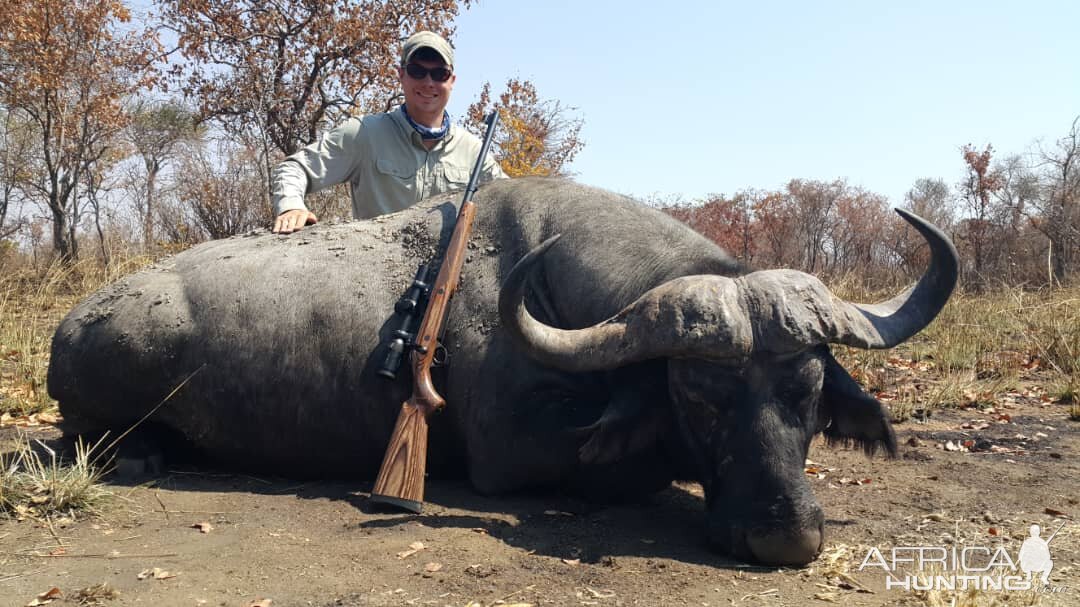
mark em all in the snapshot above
pixel 427 132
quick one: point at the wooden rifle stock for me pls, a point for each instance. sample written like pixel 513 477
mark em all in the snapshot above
pixel 401 478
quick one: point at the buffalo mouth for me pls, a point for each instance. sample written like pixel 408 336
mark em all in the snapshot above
pixel 779 543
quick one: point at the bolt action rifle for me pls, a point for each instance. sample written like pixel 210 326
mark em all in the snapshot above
pixel 401 478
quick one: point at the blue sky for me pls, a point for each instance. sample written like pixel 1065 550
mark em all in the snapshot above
pixel 691 98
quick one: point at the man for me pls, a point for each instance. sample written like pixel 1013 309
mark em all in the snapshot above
pixel 390 160
pixel 1035 555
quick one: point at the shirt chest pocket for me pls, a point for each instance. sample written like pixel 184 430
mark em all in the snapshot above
pixel 454 177
pixel 396 173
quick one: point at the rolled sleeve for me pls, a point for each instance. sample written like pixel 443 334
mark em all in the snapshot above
pixel 289 186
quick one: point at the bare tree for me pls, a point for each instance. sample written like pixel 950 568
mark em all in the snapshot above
pixel 857 234
pixel 221 189
pixel 814 205
pixel 977 191
pixel 15 146
pixel 154 132
pixel 932 200
pixel 1060 204
pixel 1013 254
pixel 94 177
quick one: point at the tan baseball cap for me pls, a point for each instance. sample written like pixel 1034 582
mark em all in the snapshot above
pixel 430 40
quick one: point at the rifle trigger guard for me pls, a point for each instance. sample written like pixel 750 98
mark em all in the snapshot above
pixel 441 358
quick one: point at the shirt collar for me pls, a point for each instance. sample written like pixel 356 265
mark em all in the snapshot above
pixel 403 123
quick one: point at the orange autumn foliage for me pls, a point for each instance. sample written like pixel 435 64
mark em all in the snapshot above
pixel 67 67
pixel 537 136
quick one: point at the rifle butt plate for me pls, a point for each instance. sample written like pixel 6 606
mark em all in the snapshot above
pixel 397 502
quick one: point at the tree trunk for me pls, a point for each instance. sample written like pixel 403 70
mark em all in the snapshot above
pixel 61 236
pixel 100 233
pixel 148 220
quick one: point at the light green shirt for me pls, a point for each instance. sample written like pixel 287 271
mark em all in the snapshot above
pixel 384 161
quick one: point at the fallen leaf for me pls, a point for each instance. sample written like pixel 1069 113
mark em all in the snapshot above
pixel 992 531
pixel 46 597
pixel 413 549
pixel 49 418
pixel 203 527
pixel 433 567
pixel 951 446
pixel 94 595
pixel 157 573
pixel 1054 512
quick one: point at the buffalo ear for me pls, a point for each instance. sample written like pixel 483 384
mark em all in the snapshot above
pixel 853 416
pixel 635 416
pixel 620 434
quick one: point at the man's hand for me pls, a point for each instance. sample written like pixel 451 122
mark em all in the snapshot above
pixel 294 221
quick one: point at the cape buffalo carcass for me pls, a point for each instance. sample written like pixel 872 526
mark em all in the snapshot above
pixel 629 353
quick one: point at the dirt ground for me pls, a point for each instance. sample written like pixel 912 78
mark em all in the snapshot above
pixel 199 537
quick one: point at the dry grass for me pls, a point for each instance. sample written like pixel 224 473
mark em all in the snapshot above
pixel 980 347
pixel 37 486
pixel 32 303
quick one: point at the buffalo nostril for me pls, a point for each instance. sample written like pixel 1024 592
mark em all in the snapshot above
pixel 786 548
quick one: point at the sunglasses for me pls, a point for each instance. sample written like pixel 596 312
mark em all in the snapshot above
pixel 419 72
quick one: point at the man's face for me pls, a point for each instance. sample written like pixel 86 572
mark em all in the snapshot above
pixel 425 97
